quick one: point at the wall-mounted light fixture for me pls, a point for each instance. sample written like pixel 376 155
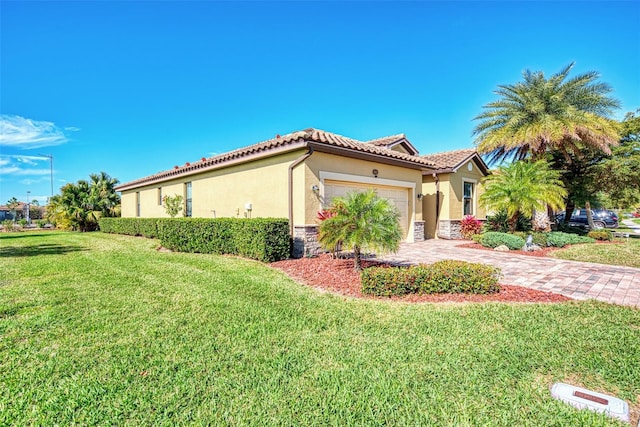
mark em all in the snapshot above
pixel 420 196
pixel 315 188
pixel 375 173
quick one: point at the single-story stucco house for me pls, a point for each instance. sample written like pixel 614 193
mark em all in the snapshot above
pixel 296 175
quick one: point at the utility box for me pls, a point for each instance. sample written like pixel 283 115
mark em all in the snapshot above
pixel 582 398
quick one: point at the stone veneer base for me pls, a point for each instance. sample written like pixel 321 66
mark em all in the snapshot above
pixel 305 239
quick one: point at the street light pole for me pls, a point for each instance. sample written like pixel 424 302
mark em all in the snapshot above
pixel 50 157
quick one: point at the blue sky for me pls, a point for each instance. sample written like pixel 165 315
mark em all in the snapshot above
pixel 133 88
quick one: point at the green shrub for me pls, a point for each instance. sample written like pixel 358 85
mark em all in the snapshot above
pixel 23 222
pixel 566 228
pixel 390 281
pixel 446 276
pixel 493 239
pixel 477 238
pixel 7 225
pixel 41 223
pixel 559 239
pixel 500 222
pixel 147 227
pixel 601 235
pixel 264 239
pixel 538 238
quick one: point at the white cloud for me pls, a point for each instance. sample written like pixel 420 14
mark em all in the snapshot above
pixel 15 170
pixel 16 131
pixel 20 165
pixel 29 181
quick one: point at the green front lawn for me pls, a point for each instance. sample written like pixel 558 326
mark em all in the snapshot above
pixel 104 329
pixel 624 252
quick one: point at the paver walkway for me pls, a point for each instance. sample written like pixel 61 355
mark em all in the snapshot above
pixel 578 280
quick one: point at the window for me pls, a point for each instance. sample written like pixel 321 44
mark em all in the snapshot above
pixel 187 199
pixel 137 203
pixel 467 198
pixel 159 196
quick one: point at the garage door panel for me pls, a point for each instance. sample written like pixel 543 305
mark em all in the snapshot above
pixel 398 195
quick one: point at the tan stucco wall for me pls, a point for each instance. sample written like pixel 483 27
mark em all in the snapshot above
pixel 323 162
pixel 429 203
pixel 263 183
pixel 451 191
pixel 456 187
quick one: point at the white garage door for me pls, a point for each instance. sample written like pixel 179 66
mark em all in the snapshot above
pixel 398 195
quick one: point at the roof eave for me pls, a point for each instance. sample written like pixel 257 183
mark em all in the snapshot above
pixel 363 155
pixel 199 168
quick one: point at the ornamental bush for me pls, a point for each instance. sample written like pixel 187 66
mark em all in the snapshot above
pixel 559 239
pixel 601 235
pixel 500 222
pixel 446 276
pixel 493 239
pixel 470 226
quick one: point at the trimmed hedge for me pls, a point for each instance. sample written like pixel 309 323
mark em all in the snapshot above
pixel 147 227
pixel 493 239
pixel 446 276
pixel 601 234
pixel 263 239
pixel 560 239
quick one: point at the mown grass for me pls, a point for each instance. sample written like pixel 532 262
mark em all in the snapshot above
pixel 104 329
pixel 625 252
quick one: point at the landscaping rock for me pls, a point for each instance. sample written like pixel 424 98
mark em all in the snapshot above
pixel 531 248
pixel 501 248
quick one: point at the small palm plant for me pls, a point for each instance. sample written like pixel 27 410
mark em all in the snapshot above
pixel 362 221
pixel 522 188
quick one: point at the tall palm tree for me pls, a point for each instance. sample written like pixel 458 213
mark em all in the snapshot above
pixel 103 194
pixel 362 221
pixel 538 115
pixel 522 187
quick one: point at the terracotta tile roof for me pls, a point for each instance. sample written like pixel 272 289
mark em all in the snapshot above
pixel 450 159
pixel 303 137
pixel 19 207
pixel 386 140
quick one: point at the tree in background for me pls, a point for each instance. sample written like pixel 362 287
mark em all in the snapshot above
pixel 540 118
pixel 104 197
pixel 522 187
pixel 362 222
pixel 606 180
pixel 172 205
pixel 618 176
pixel 80 205
pixel 12 205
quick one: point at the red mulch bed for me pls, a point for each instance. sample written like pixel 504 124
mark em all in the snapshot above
pixel 338 276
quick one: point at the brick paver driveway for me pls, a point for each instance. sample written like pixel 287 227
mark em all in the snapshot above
pixel 579 280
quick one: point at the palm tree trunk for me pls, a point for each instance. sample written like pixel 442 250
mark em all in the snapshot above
pixel 571 206
pixel 513 222
pixel 540 220
pixel 357 261
pixel 587 207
